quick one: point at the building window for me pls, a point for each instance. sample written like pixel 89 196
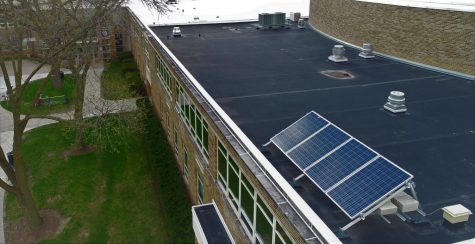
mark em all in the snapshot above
pixel 2 22
pixel 201 190
pixel 176 140
pixel 185 164
pixel 258 221
pixel 193 119
pixel 164 75
pixel 169 129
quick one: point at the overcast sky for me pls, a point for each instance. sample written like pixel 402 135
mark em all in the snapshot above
pixel 218 10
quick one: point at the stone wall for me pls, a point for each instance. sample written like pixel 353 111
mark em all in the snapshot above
pixel 439 38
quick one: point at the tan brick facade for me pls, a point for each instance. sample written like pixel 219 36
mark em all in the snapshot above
pixel 439 38
pixel 199 164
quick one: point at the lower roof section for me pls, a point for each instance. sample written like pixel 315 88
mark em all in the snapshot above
pixel 209 226
pixel 266 79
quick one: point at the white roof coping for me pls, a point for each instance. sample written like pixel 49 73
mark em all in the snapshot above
pixel 313 219
pixel 457 210
pixel 453 5
pixel 468 241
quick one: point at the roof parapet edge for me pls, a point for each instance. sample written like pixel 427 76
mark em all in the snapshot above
pixel 296 199
pixel 400 60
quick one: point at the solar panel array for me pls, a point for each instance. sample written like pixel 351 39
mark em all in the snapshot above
pixel 352 175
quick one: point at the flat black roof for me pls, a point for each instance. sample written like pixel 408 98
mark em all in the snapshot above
pixel 267 79
pixel 211 224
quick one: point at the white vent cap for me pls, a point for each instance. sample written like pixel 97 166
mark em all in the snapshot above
pixel 396 102
pixel 367 51
pixel 338 54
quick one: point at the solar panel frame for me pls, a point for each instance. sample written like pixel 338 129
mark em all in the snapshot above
pixel 276 140
pixel 327 171
pixel 368 206
pixel 304 172
pixel 320 143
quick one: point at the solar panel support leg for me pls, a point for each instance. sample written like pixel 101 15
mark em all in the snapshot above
pixel 266 144
pixel 412 186
pixel 374 208
pixel 299 177
pixel 347 226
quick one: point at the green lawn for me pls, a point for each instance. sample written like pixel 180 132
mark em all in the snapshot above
pixel 133 194
pixel 121 79
pixel 58 105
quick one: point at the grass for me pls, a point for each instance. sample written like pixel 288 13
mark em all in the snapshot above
pixel 29 97
pixel 132 194
pixel 121 79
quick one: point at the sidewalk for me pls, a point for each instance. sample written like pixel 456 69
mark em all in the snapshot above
pixel 94 105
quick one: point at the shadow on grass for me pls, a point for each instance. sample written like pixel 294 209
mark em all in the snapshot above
pixel 132 194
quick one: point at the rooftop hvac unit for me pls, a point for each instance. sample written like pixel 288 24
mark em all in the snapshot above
pixel 272 20
pixel 265 19
pixel 294 16
pixel 278 19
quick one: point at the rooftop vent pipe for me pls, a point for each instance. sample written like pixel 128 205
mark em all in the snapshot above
pixel 396 102
pixel 338 52
pixel 301 24
pixel 367 51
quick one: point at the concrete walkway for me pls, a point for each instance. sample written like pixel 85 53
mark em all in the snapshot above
pixel 94 105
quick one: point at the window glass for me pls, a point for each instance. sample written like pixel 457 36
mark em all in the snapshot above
pixel 201 191
pixel 205 136
pixel 246 223
pixel 232 163
pixel 222 147
pixel 192 117
pixel 267 212
pixel 222 166
pixel 247 202
pixel 198 126
pixel 176 141
pixel 246 183
pixel 185 163
pixel 263 227
pixel 234 182
pixel 282 233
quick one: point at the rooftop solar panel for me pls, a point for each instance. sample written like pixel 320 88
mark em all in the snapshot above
pixel 347 171
pixel 298 131
pixel 339 164
pixel 367 186
pixel 319 145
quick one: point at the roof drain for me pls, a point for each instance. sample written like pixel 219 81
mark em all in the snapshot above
pixel 396 102
pixel 367 51
pixel 338 74
pixel 338 52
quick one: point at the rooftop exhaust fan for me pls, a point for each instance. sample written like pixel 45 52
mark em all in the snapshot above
pixel 301 24
pixel 338 52
pixel 367 51
pixel 176 31
pixel 396 102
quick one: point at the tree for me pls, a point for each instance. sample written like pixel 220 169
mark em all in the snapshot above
pixel 59 24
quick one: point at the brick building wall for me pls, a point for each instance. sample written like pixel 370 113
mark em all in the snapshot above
pixel 193 161
pixel 439 38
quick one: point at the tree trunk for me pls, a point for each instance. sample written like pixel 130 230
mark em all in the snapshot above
pixel 78 109
pixel 56 76
pixel 25 196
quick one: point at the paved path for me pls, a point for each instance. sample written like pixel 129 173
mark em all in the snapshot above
pixel 94 105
